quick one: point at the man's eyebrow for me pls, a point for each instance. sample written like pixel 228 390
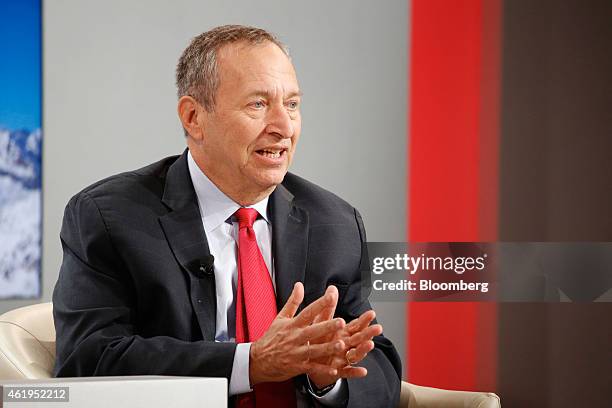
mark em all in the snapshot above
pixel 267 94
pixel 295 93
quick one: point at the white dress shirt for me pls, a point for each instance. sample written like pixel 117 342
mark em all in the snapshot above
pixel 221 228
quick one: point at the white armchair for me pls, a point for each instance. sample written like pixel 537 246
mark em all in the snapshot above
pixel 27 351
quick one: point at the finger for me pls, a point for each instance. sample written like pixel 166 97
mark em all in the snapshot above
pixel 328 312
pixel 352 372
pixel 338 361
pixel 318 351
pixel 307 316
pixel 358 353
pixel 293 302
pixel 361 322
pixel 317 330
pixel 318 369
pixel 355 355
pixel 364 335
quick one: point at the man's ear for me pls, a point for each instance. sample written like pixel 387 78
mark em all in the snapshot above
pixel 188 111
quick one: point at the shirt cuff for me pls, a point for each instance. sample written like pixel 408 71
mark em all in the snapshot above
pixel 336 397
pixel 239 380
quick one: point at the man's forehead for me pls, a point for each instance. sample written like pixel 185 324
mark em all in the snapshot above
pixel 253 65
pixel 237 47
pixel 239 55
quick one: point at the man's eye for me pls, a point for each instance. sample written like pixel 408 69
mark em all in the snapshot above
pixel 258 104
pixel 293 105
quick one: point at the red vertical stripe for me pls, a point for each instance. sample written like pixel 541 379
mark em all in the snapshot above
pixel 487 329
pixel 453 178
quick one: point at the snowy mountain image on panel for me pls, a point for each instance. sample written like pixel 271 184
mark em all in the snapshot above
pixel 20 214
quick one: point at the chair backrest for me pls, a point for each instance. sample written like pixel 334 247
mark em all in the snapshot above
pixel 27 342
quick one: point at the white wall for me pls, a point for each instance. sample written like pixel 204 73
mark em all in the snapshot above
pixel 109 101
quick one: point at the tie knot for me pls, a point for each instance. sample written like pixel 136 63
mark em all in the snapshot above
pixel 246 217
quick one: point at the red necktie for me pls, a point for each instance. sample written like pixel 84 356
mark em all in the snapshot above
pixel 255 311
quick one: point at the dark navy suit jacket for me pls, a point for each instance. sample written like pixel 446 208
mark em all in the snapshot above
pixel 131 298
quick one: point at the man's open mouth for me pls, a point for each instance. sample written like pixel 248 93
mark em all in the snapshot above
pixel 272 153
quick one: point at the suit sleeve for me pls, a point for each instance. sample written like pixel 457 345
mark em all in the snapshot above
pixel 382 384
pixel 94 312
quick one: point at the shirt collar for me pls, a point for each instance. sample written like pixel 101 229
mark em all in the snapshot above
pixel 215 206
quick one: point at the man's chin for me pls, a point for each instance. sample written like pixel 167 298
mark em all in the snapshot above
pixel 270 181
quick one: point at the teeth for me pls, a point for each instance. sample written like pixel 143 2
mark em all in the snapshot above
pixel 271 154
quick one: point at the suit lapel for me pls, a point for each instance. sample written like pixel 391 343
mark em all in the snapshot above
pixel 183 229
pixel 185 234
pixel 289 242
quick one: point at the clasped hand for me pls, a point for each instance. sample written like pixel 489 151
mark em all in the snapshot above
pixel 312 342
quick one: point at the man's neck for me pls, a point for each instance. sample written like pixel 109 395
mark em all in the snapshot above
pixel 242 195
pixel 246 198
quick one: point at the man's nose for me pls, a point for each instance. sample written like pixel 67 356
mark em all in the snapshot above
pixel 279 121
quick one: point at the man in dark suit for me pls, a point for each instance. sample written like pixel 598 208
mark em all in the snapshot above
pixel 220 263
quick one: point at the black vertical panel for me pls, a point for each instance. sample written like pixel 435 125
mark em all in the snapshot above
pixel 556 185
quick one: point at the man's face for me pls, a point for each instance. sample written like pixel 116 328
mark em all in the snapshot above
pixel 249 140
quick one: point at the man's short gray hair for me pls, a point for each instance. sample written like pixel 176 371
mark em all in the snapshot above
pixel 196 72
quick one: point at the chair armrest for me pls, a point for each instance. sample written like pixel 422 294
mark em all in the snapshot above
pixel 121 392
pixel 22 355
pixel 416 396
